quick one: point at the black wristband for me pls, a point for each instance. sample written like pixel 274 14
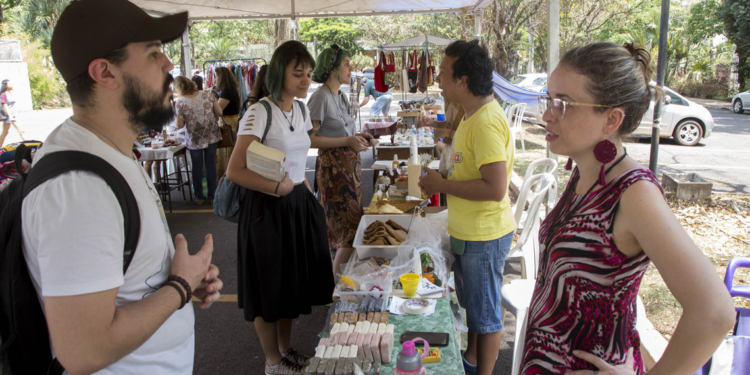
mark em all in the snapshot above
pixel 179 290
pixel 185 285
pixel 277 188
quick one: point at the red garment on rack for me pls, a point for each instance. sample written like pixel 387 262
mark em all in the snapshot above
pixel 424 79
pixel 390 63
pixel 380 85
pixel 413 67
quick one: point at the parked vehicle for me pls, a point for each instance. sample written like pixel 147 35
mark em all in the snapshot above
pixel 686 121
pixel 741 102
pixel 369 73
pixel 531 81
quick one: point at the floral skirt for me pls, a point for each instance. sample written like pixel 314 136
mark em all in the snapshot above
pixel 338 182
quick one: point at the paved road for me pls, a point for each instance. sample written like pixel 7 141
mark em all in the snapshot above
pixel 723 158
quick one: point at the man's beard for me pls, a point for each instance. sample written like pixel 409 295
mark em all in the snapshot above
pixel 146 109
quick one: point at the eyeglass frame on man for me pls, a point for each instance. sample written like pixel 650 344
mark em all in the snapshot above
pixel 545 100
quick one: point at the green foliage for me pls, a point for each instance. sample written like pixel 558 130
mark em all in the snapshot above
pixel 735 15
pixel 39 17
pixel 361 61
pixel 704 21
pixel 328 31
pixel 47 90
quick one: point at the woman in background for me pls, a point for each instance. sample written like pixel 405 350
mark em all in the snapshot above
pixel 196 111
pixel 338 170
pixel 6 98
pixel 227 88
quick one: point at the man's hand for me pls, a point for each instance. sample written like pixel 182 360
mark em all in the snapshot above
pixel 192 268
pixel 426 122
pixel 432 182
pixel 358 143
pixel 604 367
pixel 208 291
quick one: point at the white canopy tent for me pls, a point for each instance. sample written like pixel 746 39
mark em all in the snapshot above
pixel 420 40
pixel 204 10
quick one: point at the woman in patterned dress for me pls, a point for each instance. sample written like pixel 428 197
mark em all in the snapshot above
pixel 583 311
pixel 338 170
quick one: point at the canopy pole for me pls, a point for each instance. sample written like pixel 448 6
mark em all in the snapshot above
pixel 553 50
pixel 661 67
pixel 427 64
pixel 185 63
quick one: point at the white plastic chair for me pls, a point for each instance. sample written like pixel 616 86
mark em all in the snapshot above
pixel 515 114
pixel 516 295
pixel 548 165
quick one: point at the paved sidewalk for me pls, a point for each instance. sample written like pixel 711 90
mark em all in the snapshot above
pixel 713 103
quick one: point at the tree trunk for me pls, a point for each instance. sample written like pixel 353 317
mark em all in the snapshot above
pixel 281 31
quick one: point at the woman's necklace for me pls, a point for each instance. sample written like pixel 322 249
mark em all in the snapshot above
pixel 291 127
pixel 76 119
pixel 338 110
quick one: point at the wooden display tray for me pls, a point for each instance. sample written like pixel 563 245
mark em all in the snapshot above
pixel 409 114
pixel 401 204
pixel 433 107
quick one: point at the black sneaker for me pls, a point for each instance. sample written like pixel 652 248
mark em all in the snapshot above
pixel 295 357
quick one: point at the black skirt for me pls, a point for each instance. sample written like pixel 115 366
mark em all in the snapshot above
pixel 284 264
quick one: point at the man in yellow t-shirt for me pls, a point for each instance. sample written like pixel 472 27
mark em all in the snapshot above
pixel 480 221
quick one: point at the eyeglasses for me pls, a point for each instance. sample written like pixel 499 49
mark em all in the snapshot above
pixel 558 106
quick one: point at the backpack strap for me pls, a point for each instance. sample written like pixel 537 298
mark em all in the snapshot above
pixel 57 163
pixel 302 109
pixel 269 117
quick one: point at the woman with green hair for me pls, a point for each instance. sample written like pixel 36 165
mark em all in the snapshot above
pixel 338 170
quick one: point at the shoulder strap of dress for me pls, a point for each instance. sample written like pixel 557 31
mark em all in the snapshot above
pixel 638 174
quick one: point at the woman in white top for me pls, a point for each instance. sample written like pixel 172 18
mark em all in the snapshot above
pixel 284 263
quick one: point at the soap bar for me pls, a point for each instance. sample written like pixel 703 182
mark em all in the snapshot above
pixel 344 352
pixel 360 339
pixel 357 362
pixel 365 327
pixel 339 367
pixel 335 329
pixel 376 367
pixel 312 368
pixel 373 328
pixel 375 346
pixel 336 351
pixel 381 328
pixel 376 317
pixel 367 366
pixel 348 367
pixel 341 317
pixel 386 346
pixel 352 338
pixel 322 367
pixel 384 317
pixel 334 319
pixel 342 338
pixel 362 316
pixel 370 316
pixel 331 367
pixel 320 351
pixel 366 345
pixel 354 351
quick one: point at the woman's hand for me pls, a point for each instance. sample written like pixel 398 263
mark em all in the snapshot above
pixel 285 186
pixel 604 367
pixel 366 136
pixel 426 121
pixel 358 143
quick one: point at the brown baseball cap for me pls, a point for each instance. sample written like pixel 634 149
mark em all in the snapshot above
pixel 91 29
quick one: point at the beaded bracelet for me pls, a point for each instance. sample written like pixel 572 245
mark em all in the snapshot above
pixel 185 285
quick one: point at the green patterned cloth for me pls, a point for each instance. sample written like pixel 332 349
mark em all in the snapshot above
pixel 440 321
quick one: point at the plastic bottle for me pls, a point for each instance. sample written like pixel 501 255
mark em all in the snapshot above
pixel 409 362
pixel 395 162
pixel 413 130
pixel 413 150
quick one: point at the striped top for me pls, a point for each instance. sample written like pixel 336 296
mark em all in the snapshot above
pixel 586 289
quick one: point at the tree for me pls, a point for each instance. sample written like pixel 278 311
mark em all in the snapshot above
pixel 735 15
pixel 508 22
pixel 7 5
pixel 704 21
pixel 39 17
pixel 325 32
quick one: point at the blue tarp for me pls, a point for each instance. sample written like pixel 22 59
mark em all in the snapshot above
pixel 509 92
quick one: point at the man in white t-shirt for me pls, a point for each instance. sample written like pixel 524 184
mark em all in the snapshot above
pixel 101 321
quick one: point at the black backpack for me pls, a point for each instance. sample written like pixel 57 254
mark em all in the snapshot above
pixel 23 329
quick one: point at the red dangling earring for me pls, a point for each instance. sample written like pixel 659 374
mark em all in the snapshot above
pixel 604 151
pixel 569 165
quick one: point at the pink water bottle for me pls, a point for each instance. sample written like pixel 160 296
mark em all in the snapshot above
pixel 409 362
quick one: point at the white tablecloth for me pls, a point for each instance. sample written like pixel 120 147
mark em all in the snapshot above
pixel 161 153
pixel 384 165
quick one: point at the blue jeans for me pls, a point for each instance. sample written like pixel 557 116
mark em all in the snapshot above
pixel 478 274
pixel 207 155
pixel 382 104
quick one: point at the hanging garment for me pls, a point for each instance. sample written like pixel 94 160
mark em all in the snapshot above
pixel 423 74
pixel 430 69
pixel 380 75
pixel 413 62
pixel 390 63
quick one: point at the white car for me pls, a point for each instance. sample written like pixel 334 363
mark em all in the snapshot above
pixel 688 122
pixel 741 102
pixel 531 81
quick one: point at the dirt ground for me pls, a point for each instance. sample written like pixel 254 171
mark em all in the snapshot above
pixel 720 226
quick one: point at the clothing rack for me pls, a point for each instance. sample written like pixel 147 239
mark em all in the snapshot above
pixel 251 59
pixel 423 48
pixel 244 93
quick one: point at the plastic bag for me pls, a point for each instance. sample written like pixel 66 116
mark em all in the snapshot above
pixel 427 248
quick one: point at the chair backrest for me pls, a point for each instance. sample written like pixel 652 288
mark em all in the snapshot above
pixel 515 114
pixel 544 181
pixel 548 165
pixel 530 252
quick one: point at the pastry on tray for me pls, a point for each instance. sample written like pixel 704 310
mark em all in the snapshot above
pixel 384 234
